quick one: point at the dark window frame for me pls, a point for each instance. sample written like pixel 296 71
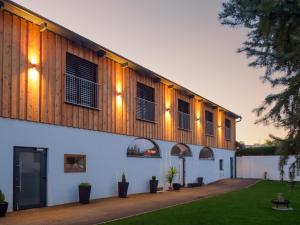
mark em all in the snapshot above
pixel 228 126
pixel 203 154
pixel 145 103
pixel 74 170
pixel 140 154
pixel 184 115
pixel 81 82
pixel 221 164
pixel 209 123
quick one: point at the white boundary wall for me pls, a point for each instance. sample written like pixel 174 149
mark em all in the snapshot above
pixel 255 166
pixel 106 160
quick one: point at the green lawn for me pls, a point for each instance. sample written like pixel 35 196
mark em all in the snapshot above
pixel 249 206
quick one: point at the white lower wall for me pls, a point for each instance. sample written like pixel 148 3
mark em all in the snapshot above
pixel 106 160
pixel 255 166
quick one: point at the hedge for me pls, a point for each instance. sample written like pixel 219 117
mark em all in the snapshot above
pixel 256 151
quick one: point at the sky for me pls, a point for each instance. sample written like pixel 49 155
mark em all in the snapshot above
pixel 181 40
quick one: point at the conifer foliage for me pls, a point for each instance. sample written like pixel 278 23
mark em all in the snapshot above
pixel 273 42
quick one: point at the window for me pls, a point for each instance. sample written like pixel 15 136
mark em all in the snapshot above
pixel 221 164
pixel 209 123
pixel 81 82
pixel 227 129
pixel 74 163
pixel 145 105
pixel 206 153
pixel 181 150
pixel 183 115
pixel 142 147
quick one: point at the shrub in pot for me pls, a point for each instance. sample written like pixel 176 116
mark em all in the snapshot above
pixel 84 193
pixel 123 187
pixel 3 204
pixel 176 186
pixel 170 175
pixel 153 185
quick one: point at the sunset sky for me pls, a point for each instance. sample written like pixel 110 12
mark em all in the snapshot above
pixel 178 39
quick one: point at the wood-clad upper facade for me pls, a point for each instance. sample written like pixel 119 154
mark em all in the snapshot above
pixel 33 88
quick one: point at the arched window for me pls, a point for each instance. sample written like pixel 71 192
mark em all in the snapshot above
pixel 181 150
pixel 206 153
pixel 142 147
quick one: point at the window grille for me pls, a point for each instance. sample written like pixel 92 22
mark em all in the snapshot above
pixel 81 82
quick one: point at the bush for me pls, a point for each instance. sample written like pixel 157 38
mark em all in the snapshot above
pixel 2 197
pixel 257 151
pixel 171 174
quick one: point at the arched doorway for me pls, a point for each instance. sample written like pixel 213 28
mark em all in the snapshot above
pixel 181 151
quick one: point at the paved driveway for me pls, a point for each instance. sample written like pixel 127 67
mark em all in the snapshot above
pixel 113 208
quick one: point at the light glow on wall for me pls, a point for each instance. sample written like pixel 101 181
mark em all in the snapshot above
pixel 220 119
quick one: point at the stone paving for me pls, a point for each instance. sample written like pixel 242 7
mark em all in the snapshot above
pixel 102 210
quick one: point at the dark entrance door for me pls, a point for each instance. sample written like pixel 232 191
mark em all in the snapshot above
pixel 30 177
pixel 231 167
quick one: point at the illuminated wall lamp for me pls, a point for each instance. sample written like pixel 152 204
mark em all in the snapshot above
pixel 198 119
pixel 119 93
pixel 168 109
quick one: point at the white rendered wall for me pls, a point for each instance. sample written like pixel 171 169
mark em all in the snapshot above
pixel 106 160
pixel 255 166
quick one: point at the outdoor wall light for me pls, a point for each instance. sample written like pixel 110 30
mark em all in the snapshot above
pixel 33 72
pixel 198 119
pixel 119 93
pixel 168 109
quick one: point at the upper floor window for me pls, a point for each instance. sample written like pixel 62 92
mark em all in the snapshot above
pixel 81 82
pixel 141 147
pixel 227 129
pixel 145 105
pixel 209 123
pixel 183 115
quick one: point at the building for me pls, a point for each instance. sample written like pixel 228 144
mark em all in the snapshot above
pixel 73 111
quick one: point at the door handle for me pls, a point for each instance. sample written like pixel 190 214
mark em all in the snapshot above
pixel 20 175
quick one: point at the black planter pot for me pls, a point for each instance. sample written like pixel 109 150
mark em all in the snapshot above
pixel 84 194
pixel 123 188
pixel 3 209
pixel 200 180
pixel 176 186
pixel 153 186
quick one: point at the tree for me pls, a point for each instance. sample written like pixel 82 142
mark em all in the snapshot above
pixel 273 42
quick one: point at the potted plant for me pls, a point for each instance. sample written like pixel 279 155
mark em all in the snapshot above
pixel 170 175
pixel 123 187
pixel 3 204
pixel 84 193
pixel 153 185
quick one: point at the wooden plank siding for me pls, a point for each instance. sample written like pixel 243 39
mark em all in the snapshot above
pixel 43 100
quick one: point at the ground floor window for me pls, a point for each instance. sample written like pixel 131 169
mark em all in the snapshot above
pixel 142 147
pixel 74 163
pixel 221 164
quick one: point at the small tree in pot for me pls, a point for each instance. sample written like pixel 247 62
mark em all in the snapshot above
pixel 84 193
pixel 153 185
pixel 170 176
pixel 123 187
pixel 3 204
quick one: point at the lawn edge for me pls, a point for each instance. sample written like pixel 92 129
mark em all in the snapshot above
pixel 178 204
